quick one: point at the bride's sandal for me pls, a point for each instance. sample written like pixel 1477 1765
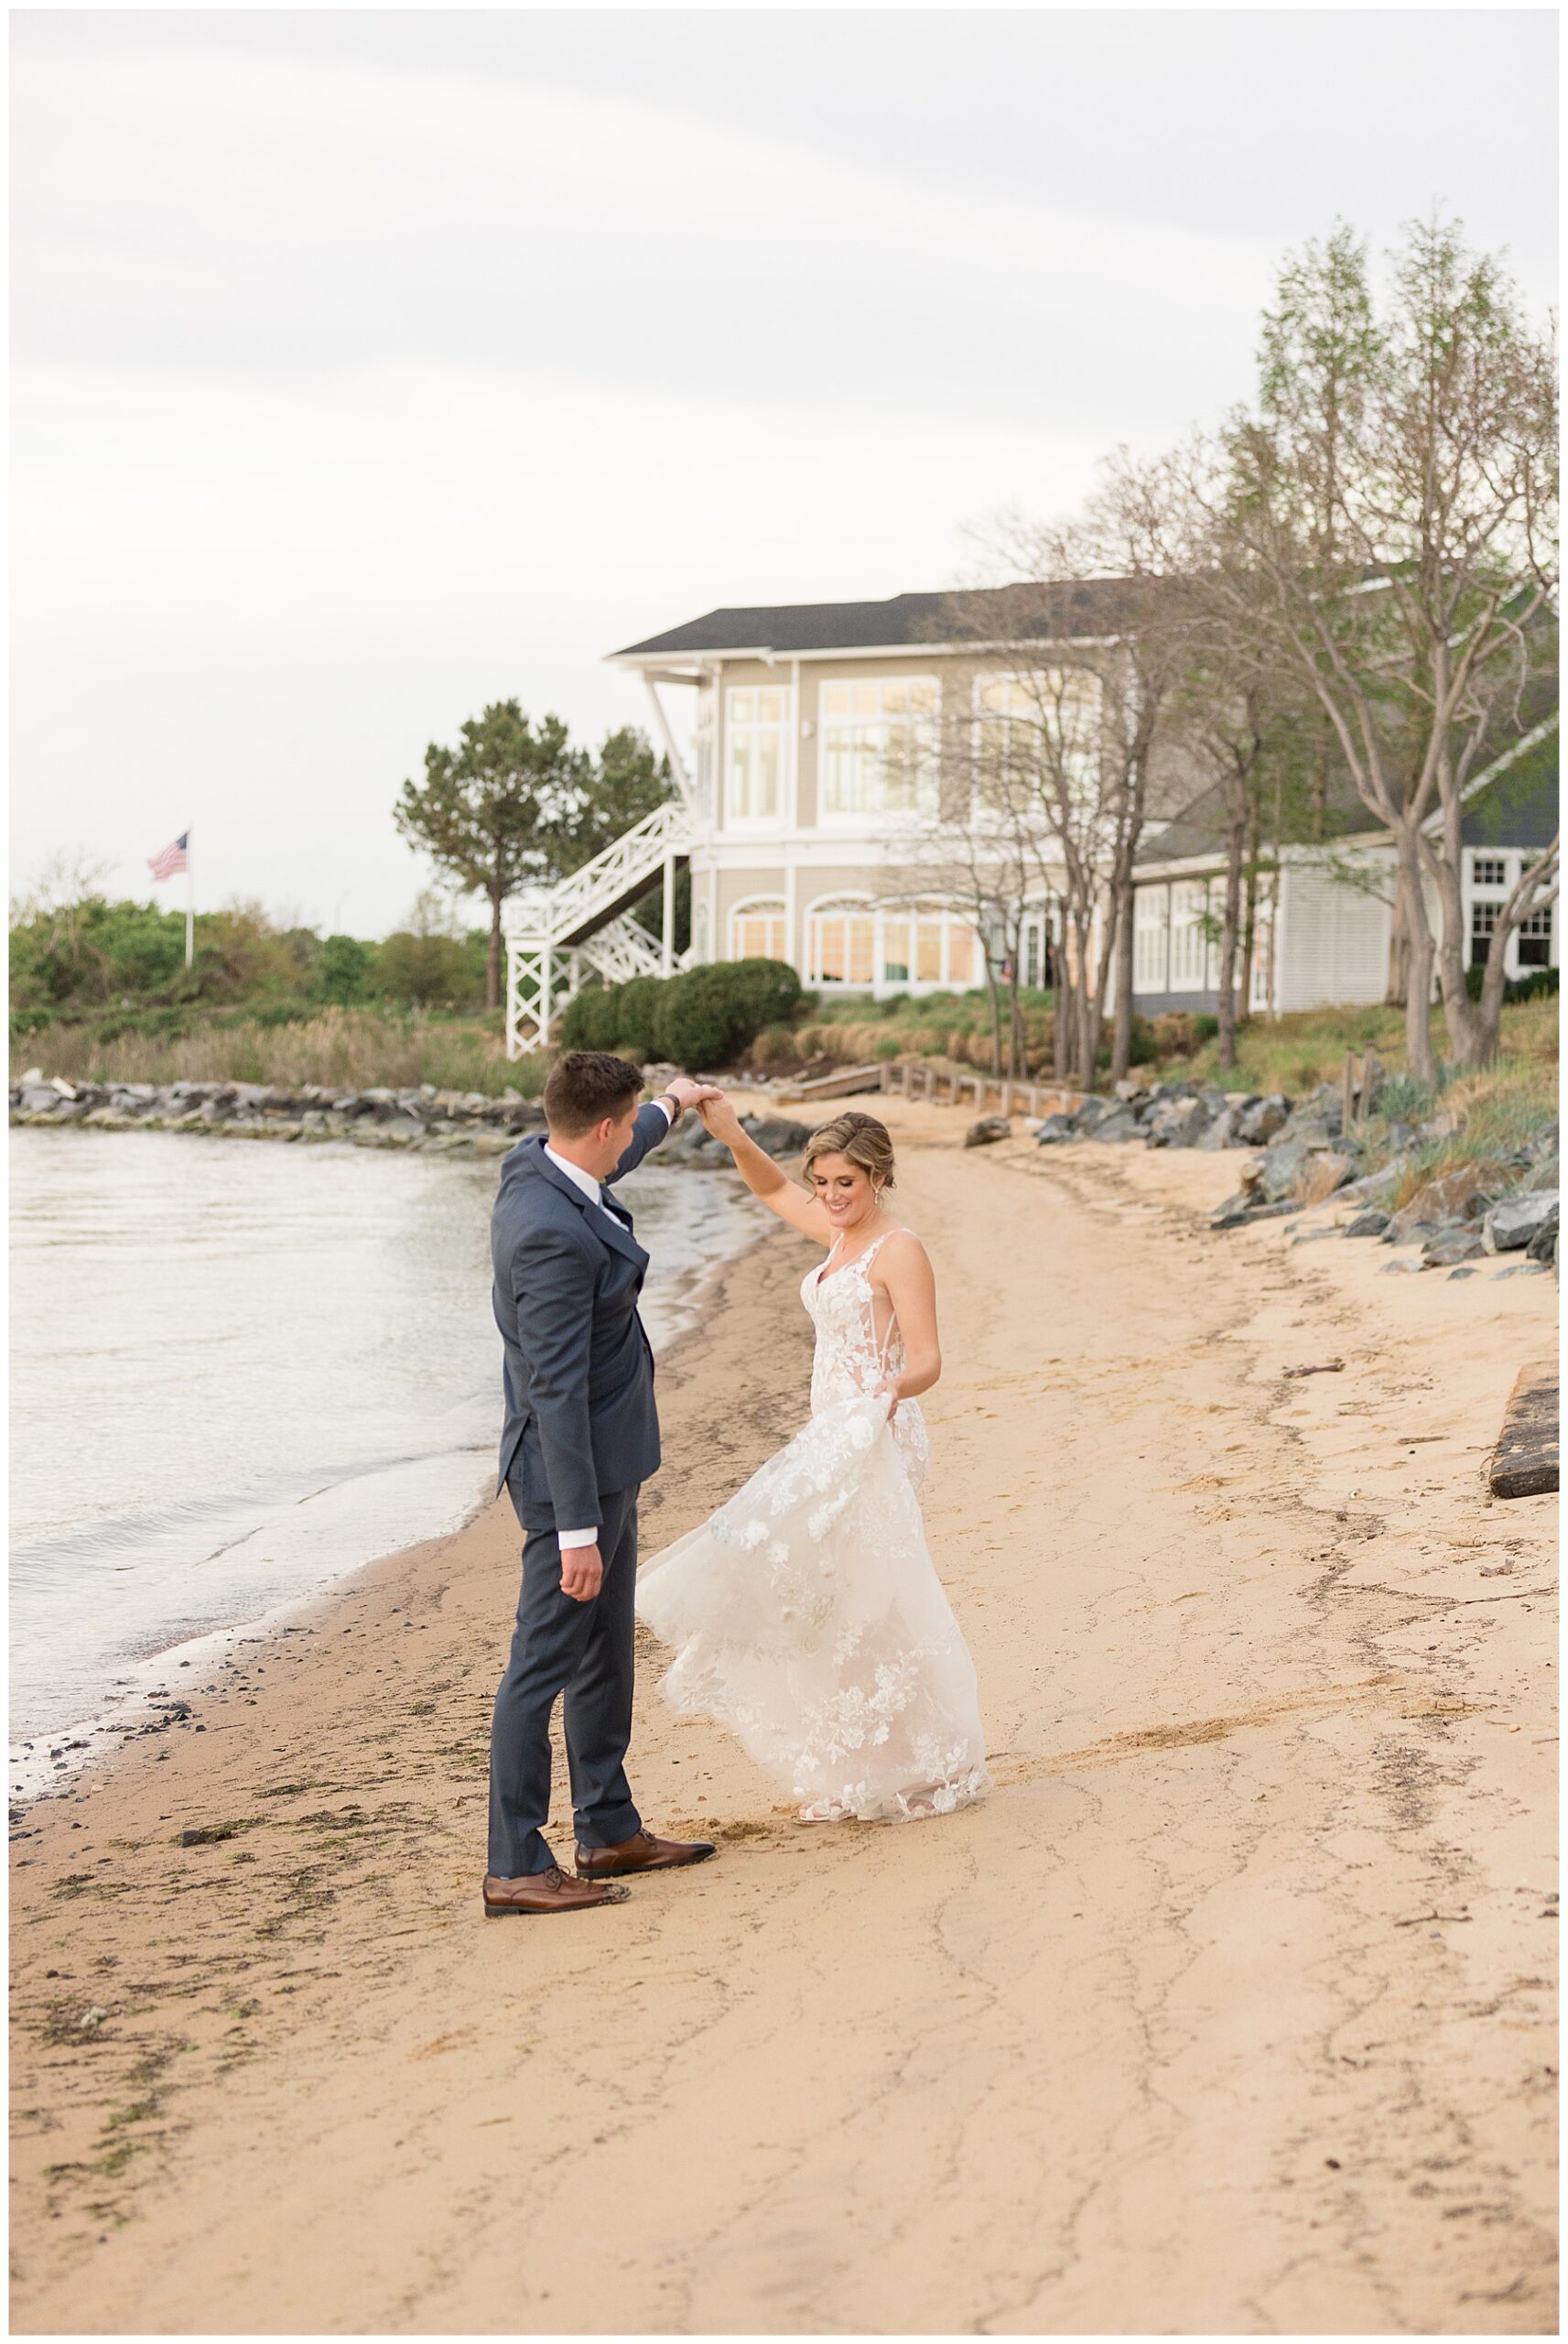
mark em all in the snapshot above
pixel 826 1810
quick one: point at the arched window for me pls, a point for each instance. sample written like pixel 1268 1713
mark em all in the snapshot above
pixel 891 947
pixel 841 944
pixel 759 929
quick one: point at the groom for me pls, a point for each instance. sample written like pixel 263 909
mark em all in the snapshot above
pixel 582 1435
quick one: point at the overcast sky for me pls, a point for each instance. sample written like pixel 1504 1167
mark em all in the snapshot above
pixel 369 366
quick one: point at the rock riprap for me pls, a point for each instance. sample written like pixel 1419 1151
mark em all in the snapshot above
pixel 464 1122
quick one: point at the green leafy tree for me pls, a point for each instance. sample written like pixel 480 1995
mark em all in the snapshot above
pixel 345 963
pixel 497 809
pixel 624 782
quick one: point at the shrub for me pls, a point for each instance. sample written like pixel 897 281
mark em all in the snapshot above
pixel 708 1017
pixel 636 1016
pixel 590 1021
pixel 693 1018
pixel 1142 1049
pixel 1526 988
pixel 775 1045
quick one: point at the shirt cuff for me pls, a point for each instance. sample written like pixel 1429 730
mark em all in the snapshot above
pixel 568 1538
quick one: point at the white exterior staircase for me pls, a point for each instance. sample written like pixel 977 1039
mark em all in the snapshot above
pixel 555 935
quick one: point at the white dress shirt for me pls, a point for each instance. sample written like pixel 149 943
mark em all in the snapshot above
pixel 592 1190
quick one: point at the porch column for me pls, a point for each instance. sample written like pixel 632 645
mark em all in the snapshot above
pixel 667 942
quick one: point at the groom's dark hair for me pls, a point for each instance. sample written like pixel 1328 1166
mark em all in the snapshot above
pixel 585 1086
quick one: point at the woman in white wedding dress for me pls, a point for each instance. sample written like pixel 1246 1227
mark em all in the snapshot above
pixel 807 1614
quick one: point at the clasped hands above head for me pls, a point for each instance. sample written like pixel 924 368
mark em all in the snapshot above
pixel 692 1094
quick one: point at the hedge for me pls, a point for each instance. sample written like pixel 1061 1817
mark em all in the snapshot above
pixel 705 1017
pixel 1526 988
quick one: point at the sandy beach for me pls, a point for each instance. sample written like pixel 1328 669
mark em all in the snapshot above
pixel 1232 2009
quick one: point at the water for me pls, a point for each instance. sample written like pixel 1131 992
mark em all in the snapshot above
pixel 239 1370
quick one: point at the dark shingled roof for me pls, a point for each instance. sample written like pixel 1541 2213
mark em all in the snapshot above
pixel 1518 808
pixel 1040 614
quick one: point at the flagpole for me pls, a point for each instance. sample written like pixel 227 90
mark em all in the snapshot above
pixel 189 904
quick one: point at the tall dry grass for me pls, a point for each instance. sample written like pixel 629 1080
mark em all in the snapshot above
pixel 345 1049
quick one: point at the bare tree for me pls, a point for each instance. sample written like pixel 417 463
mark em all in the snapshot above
pixel 1382 527
pixel 1098 715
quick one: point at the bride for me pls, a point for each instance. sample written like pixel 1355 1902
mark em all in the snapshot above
pixel 807 1614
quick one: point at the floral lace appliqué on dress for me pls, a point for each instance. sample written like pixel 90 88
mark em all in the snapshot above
pixel 807 1614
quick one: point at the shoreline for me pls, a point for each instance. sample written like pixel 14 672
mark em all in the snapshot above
pixel 151 1696
pixel 1226 2010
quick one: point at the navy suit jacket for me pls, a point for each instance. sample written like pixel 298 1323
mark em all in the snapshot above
pixel 579 1371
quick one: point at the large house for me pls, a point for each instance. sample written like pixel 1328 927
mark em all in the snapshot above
pixel 804 741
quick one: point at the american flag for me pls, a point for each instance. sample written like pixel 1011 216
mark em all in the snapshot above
pixel 174 857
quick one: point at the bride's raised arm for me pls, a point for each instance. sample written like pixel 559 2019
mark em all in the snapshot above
pixel 761 1175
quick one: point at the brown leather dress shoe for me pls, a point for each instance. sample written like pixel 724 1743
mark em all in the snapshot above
pixel 640 1852
pixel 544 1892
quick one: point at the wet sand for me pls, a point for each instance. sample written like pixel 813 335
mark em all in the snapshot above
pixel 1231 2010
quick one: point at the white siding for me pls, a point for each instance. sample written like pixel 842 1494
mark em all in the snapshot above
pixel 1334 940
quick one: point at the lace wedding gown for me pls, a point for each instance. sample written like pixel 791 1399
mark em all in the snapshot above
pixel 807 1614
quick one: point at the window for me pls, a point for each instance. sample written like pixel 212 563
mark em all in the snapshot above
pixel 919 944
pixel 754 742
pixel 758 931
pixel 704 745
pixel 843 945
pixel 1535 940
pixel 1489 871
pixel 1189 935
pixel 1483 927
pixel 878 747
pixel 1042 731
pixel 1150 928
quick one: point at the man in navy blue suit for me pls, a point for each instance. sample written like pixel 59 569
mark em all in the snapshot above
pixel 582 1435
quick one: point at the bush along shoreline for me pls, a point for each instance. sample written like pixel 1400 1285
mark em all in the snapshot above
pixel 422 1119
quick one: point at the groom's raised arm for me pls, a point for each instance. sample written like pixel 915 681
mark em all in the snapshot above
pixel 654 1122
pixel 553 1281
pixel 659 1117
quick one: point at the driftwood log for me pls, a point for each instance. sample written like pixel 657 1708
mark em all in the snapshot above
pixel 1524 1462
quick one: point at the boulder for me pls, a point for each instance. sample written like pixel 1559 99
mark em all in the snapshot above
pixel 1319 1117
pixel 38 1098
pixel 1450 1246
pixel 1121 1124
pixel 779 1134
pixel 1262 1119
pixel 1322 1174
pixel 1282 1166
pixel 1177 1123
pixel 398 1131
pixel 1370 1223
pixel 1054 1129
pixel 988 1130
pixel 1445 1197
pixel 1514 1222
pixel 1375 1188
pixel 1092 1111
pixel 1220 1132
pixel 1542 1246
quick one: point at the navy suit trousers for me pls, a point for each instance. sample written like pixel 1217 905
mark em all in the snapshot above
pixel 583 1652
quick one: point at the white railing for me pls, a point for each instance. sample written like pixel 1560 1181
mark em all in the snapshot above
pixel 554 935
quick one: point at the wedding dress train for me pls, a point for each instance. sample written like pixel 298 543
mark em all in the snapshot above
pixel 807 1614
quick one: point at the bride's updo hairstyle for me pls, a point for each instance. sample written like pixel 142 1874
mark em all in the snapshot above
pixel 860 1140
